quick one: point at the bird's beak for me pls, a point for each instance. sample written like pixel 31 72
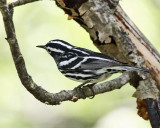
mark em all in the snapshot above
pixel 41 46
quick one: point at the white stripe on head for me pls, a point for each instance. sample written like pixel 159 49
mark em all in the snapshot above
pixel 55 50
pixel 66 62
pixel 61 43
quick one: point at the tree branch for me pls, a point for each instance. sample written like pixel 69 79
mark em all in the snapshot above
pixel 109 35
pixel 20 2
pixel 152 107
pixel 143 46
pixel 38 92
pixel 109 30
pixel 115 34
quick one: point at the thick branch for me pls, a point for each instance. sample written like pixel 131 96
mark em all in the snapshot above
pixel 152 57
pixel 114 34
pixel 99 19
pixel 143 46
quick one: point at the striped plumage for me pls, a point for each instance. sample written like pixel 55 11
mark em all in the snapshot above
pixel 84 65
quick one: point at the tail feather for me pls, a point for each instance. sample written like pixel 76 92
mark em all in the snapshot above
pixel 137 69
pixel 131 68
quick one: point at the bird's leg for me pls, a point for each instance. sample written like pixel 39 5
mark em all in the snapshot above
pixel 80 87
pixel 90 86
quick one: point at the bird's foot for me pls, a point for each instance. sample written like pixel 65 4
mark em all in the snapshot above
pixel 93 93
pixel 80 87
pixel 81 90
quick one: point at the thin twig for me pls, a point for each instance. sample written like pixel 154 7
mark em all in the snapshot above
pixel 20 2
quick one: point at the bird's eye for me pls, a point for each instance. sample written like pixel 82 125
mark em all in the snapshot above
pixel 49 50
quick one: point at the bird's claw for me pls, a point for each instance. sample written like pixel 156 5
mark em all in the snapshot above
pixel 81 90
pixel 90 87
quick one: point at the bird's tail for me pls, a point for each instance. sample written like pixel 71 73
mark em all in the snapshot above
pixel 131 68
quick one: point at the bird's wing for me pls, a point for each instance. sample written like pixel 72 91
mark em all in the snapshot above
pixel 98 60
pixel 92 63
pixel 73 61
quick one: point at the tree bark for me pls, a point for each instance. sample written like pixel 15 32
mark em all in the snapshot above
pixel 114 34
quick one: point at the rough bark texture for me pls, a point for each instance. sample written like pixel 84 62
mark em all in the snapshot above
pixel 153 111
pixel 116 35
pixel 113 33
pixel 143 46
pixel 112 37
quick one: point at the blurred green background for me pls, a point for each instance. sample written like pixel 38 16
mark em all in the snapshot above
pixel 36 24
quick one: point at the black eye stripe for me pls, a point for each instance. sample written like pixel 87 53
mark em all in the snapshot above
pixel 49 50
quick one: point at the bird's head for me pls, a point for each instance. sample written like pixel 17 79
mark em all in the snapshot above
pixel 56 47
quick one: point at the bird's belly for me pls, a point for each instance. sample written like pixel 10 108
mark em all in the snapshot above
pixel 101 78
pixel 96 79
pixel 78 80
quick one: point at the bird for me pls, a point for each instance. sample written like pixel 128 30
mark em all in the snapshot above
pixel 84 65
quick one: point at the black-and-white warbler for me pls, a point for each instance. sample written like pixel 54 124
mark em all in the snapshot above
pixel 84 65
